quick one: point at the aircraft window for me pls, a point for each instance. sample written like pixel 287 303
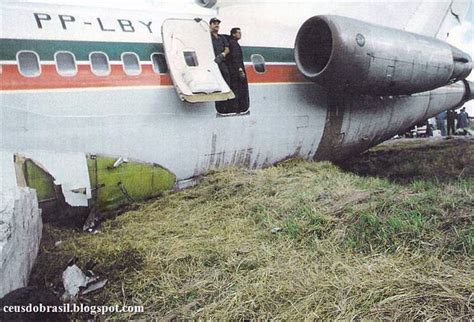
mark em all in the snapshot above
pixel 190 58
pixel 99 64
pixel 159 63
pixel 131 64
pixel 65 63
pixel 258 63
pixel 28 63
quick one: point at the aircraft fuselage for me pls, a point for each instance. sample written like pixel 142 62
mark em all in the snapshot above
pixel 141 117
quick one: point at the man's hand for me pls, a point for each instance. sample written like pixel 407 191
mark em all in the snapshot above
pixel 242 74
pixel 219 58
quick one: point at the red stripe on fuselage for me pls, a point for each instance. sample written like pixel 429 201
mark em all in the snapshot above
pixel 275 74
pixel 11 79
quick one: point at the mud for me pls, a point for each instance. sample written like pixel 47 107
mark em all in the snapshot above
pixel 405 160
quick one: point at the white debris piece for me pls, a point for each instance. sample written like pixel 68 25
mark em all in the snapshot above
pixel 76 283
pixel 94 287
pixel 118 162
pixel 276 230
pixel 20 228
pixel 69 170
pixel 73 280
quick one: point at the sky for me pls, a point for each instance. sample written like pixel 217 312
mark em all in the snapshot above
pixel 461 36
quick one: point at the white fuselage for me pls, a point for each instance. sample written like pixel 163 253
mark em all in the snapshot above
pixel 141 117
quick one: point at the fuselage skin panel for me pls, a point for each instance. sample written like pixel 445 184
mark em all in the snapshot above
pixel 141 117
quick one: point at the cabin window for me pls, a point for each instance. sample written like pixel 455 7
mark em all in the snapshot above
pixel 191 58
pixel 99 64
pixel 258 63
pixel 131 64
pixel 28 63
pixel 159 63
pixel 65 63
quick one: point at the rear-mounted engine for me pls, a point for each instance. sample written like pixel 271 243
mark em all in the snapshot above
pixel 340 52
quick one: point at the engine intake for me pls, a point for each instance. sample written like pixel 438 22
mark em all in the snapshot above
pixel 341 52
pixel 206 3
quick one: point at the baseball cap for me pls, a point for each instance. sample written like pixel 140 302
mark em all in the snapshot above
pixel 214 20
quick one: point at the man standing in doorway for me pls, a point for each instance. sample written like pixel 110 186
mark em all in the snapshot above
pixel 221 48
pixel 238 77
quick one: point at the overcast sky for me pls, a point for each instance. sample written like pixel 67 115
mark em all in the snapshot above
pixel 461 36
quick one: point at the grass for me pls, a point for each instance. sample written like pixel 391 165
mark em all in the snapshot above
pixel 296 241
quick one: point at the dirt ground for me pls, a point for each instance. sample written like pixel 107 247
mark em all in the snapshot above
pixel 389 237
pixel 438 158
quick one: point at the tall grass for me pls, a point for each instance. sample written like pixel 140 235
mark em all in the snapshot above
pixel 296 241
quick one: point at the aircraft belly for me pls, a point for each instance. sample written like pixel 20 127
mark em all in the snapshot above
pixel 374 119
pixel 152 125
pixel 357 122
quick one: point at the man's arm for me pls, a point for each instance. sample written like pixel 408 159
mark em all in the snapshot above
pixel 226 46
pixel 220 58
pixel 232 60
pixel 236 59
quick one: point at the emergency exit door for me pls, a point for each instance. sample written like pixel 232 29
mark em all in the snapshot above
pixel 188 48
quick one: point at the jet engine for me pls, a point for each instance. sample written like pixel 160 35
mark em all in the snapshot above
pixel 345 53
pixel 206 3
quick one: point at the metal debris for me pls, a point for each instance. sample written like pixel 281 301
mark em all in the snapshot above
pixel 92 221
pixel 77 284
pixel 276 230
pixel 119 161
pixel 73 280
pixel 94 287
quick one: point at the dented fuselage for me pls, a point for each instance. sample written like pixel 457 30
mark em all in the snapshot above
pixel 88 97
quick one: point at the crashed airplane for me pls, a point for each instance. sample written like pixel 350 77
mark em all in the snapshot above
pixel 83 87
pixel 101 107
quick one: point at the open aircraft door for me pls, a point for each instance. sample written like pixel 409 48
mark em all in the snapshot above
pixel 190 56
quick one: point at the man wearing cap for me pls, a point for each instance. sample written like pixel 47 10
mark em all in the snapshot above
pixel 221 48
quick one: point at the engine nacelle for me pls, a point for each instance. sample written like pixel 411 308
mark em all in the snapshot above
pixel 206 3
pixel 345 53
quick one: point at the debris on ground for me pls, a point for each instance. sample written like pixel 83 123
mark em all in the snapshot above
pixel 77 283
pixel 345 246
pixel 276 230
pixel 92 221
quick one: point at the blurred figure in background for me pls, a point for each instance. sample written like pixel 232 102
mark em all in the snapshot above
pixel 441 122
pixel 451 117
pixel 463 119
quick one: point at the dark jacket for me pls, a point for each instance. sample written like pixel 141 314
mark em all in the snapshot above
pixel 235 59
pixel 219 43
pixel 463 120
pixel 238 81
